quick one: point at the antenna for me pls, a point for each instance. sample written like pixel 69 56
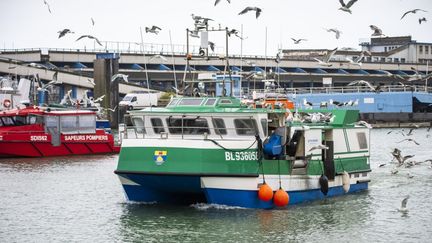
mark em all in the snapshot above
pixel 145 64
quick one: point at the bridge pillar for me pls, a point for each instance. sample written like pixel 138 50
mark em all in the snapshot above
pixel 105 66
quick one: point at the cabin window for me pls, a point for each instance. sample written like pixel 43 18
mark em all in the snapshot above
pixel 51 121
pixel 210 102
pixel 264 126
pixel 134 99
pixel 225 101
pixel 361 138
pixel 191 102
pixel 245 127
pixel 35 120
pixel 68 124
pixel 20 120
pixel 219 126
pixel 87 124
pixel 7 121
pixel 138 124
pixel 190 125
pixel 173 102
pixel 157 125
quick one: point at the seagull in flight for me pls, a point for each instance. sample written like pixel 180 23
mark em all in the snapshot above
pixel 346 7
pixel 326 60
pixel 320 147
pixel 212 45
pixel 410 140
pixel 247 9
pixel 413 12
pixel 363 123
pixel 422 20
pixel 91 82
pixel 154 29
pixel 48 6
pixel 120 75
pixel 375 89
pixel 357 60
pixel 64 32
pixel 377 31
pixel 217 1
pixel 90 37
pixel 336 31
pixel 403 208
pixel 297 41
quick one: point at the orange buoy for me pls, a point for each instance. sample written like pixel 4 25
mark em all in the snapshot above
pixel 265 192
pixel 281 198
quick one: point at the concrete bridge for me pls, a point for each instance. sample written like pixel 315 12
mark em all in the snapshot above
pixel 75 66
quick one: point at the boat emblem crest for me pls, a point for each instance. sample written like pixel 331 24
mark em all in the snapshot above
pixel 160 157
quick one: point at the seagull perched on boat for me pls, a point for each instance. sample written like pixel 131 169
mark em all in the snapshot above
pixel 375 89
pixel 320 147
pixel 413 12
pixel 217 1
pixel 297 41
pixel 90 37
pixel 422 20
pixel 154 29
pixel 346 7
pixel 403 208
pixel 336 103
pixel 64 32
pixel 409 140
pixel 326 59
pixel 124 77
pixel 247 9
pixel 307 103
pixel 377 31
pixel 336 31
pixel 48 6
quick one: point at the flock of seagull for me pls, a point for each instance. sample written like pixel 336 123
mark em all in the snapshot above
pixel 406 161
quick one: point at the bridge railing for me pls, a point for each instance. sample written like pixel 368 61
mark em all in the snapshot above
pixel 328 90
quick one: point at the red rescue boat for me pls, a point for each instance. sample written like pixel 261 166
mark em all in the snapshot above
pixel 37 132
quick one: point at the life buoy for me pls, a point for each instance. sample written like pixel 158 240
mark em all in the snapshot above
pixel 6 103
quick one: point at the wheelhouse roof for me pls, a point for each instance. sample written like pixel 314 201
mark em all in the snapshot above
pixel 206 105
pixel 35 110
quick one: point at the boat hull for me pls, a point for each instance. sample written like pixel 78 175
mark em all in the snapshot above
pixel 231 191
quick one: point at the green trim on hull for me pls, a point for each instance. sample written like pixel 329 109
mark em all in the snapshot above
pixel 213 161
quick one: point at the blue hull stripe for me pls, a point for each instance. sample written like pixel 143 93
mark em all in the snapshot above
pixel 249 199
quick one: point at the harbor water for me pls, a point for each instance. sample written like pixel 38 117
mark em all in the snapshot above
pixel 80 199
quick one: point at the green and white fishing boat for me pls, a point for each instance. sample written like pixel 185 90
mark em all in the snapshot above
pixel 218 151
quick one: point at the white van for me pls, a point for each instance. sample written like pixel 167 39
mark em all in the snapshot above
pixel 140 100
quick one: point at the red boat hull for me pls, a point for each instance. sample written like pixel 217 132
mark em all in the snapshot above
pixel 38 144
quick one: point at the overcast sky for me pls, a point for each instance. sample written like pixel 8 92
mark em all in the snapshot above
pixel 28 24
